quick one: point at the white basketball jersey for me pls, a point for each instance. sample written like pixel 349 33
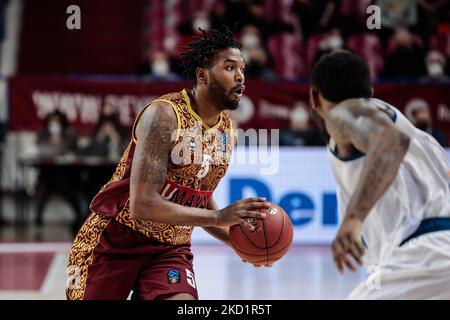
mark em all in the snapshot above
pixel 420 190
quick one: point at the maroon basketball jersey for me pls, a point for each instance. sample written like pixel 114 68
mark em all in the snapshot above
pixel 198 160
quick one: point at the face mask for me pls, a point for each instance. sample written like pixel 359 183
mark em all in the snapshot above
pixel 250 40
pixel 299 116
pixel 160 68
pixel 335 42
pixel 254 69
pixel 435 69
pixel 200 23
pixel 422 125
pixel 54 128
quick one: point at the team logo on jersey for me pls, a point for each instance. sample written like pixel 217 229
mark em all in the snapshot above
pixel 223 147
pixel 192 145
pixel 173 276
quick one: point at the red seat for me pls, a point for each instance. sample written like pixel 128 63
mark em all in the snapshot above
pixel 440 42
pixel 356 9
pixel 287 53
pixel 368 46
pixel 311 49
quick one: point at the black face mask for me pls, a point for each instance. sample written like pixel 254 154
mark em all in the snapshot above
pixel 108 118
pixel 254 69
pixel 423 125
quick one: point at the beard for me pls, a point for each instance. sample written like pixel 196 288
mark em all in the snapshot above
pixel 219 96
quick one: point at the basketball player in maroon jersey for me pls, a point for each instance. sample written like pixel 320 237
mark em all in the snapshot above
pixel 137 238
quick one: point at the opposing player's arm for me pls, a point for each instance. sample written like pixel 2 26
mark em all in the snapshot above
pixel 372 132
pixel 149 168
pixel 220 233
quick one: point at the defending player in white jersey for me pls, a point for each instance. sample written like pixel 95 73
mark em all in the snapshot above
pixel 393 186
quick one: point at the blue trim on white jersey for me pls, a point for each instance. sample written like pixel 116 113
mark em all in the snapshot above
pixel 429 225
pixel 359 154
pixel 353 156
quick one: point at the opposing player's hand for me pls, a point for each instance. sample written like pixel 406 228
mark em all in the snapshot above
pixel 347 244
pixel 241 213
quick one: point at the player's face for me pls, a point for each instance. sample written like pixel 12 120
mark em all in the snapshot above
pixel 226 79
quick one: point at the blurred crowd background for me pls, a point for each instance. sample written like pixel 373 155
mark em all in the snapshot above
pixel 281 38
pixel 137 44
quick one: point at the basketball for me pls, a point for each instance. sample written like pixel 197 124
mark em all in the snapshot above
pixel 269 242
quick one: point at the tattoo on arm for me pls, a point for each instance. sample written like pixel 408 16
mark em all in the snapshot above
pixel 380 169
pixel 353 123
pixel 372 132
pixel 154 134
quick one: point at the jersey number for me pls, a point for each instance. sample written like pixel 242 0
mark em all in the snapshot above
pixel 190 278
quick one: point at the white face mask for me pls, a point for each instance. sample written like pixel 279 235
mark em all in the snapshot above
pixel 250 40
pixel 201 23
pixel 160 68
pixel 299 116
pixel 335 42
pixel 435 69
pixel 54 127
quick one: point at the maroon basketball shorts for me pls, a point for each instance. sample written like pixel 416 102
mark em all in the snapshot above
pixel 109 260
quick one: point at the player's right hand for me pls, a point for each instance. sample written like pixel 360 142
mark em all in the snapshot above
pixel 240 212
pixel 347 244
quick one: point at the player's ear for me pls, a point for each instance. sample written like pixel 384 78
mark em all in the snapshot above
pixel 202 76
pixel 314 100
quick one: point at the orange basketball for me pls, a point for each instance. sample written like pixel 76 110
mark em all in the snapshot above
pixel 269 242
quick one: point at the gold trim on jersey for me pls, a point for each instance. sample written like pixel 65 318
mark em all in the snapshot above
pixel 81 255
pixel 196 116
pixel 138 117
pixel 118 173
pixel 120 169
pixel 162 232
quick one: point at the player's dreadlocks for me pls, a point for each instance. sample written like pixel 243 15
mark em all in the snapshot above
pixel 201 51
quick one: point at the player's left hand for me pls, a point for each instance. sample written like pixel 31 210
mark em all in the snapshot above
pixel 347 244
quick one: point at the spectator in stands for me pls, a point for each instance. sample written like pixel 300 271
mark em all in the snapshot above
pixel 57 138
pixel 406 57
pixel 436 64
pixel 332 41
pixel 300 131
pixel 255 55
pixel 256 65
pixel 352 16
pixel 431 13
pixel 419 114
pixel 200 20
pixel 315 15
pixel 108 143
pixel 159 68
pixel 254 14
pixel 251 37
pixel 218 16
pixel 2 141
pixel 394 12
pixel 108 137
pixel 251 12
